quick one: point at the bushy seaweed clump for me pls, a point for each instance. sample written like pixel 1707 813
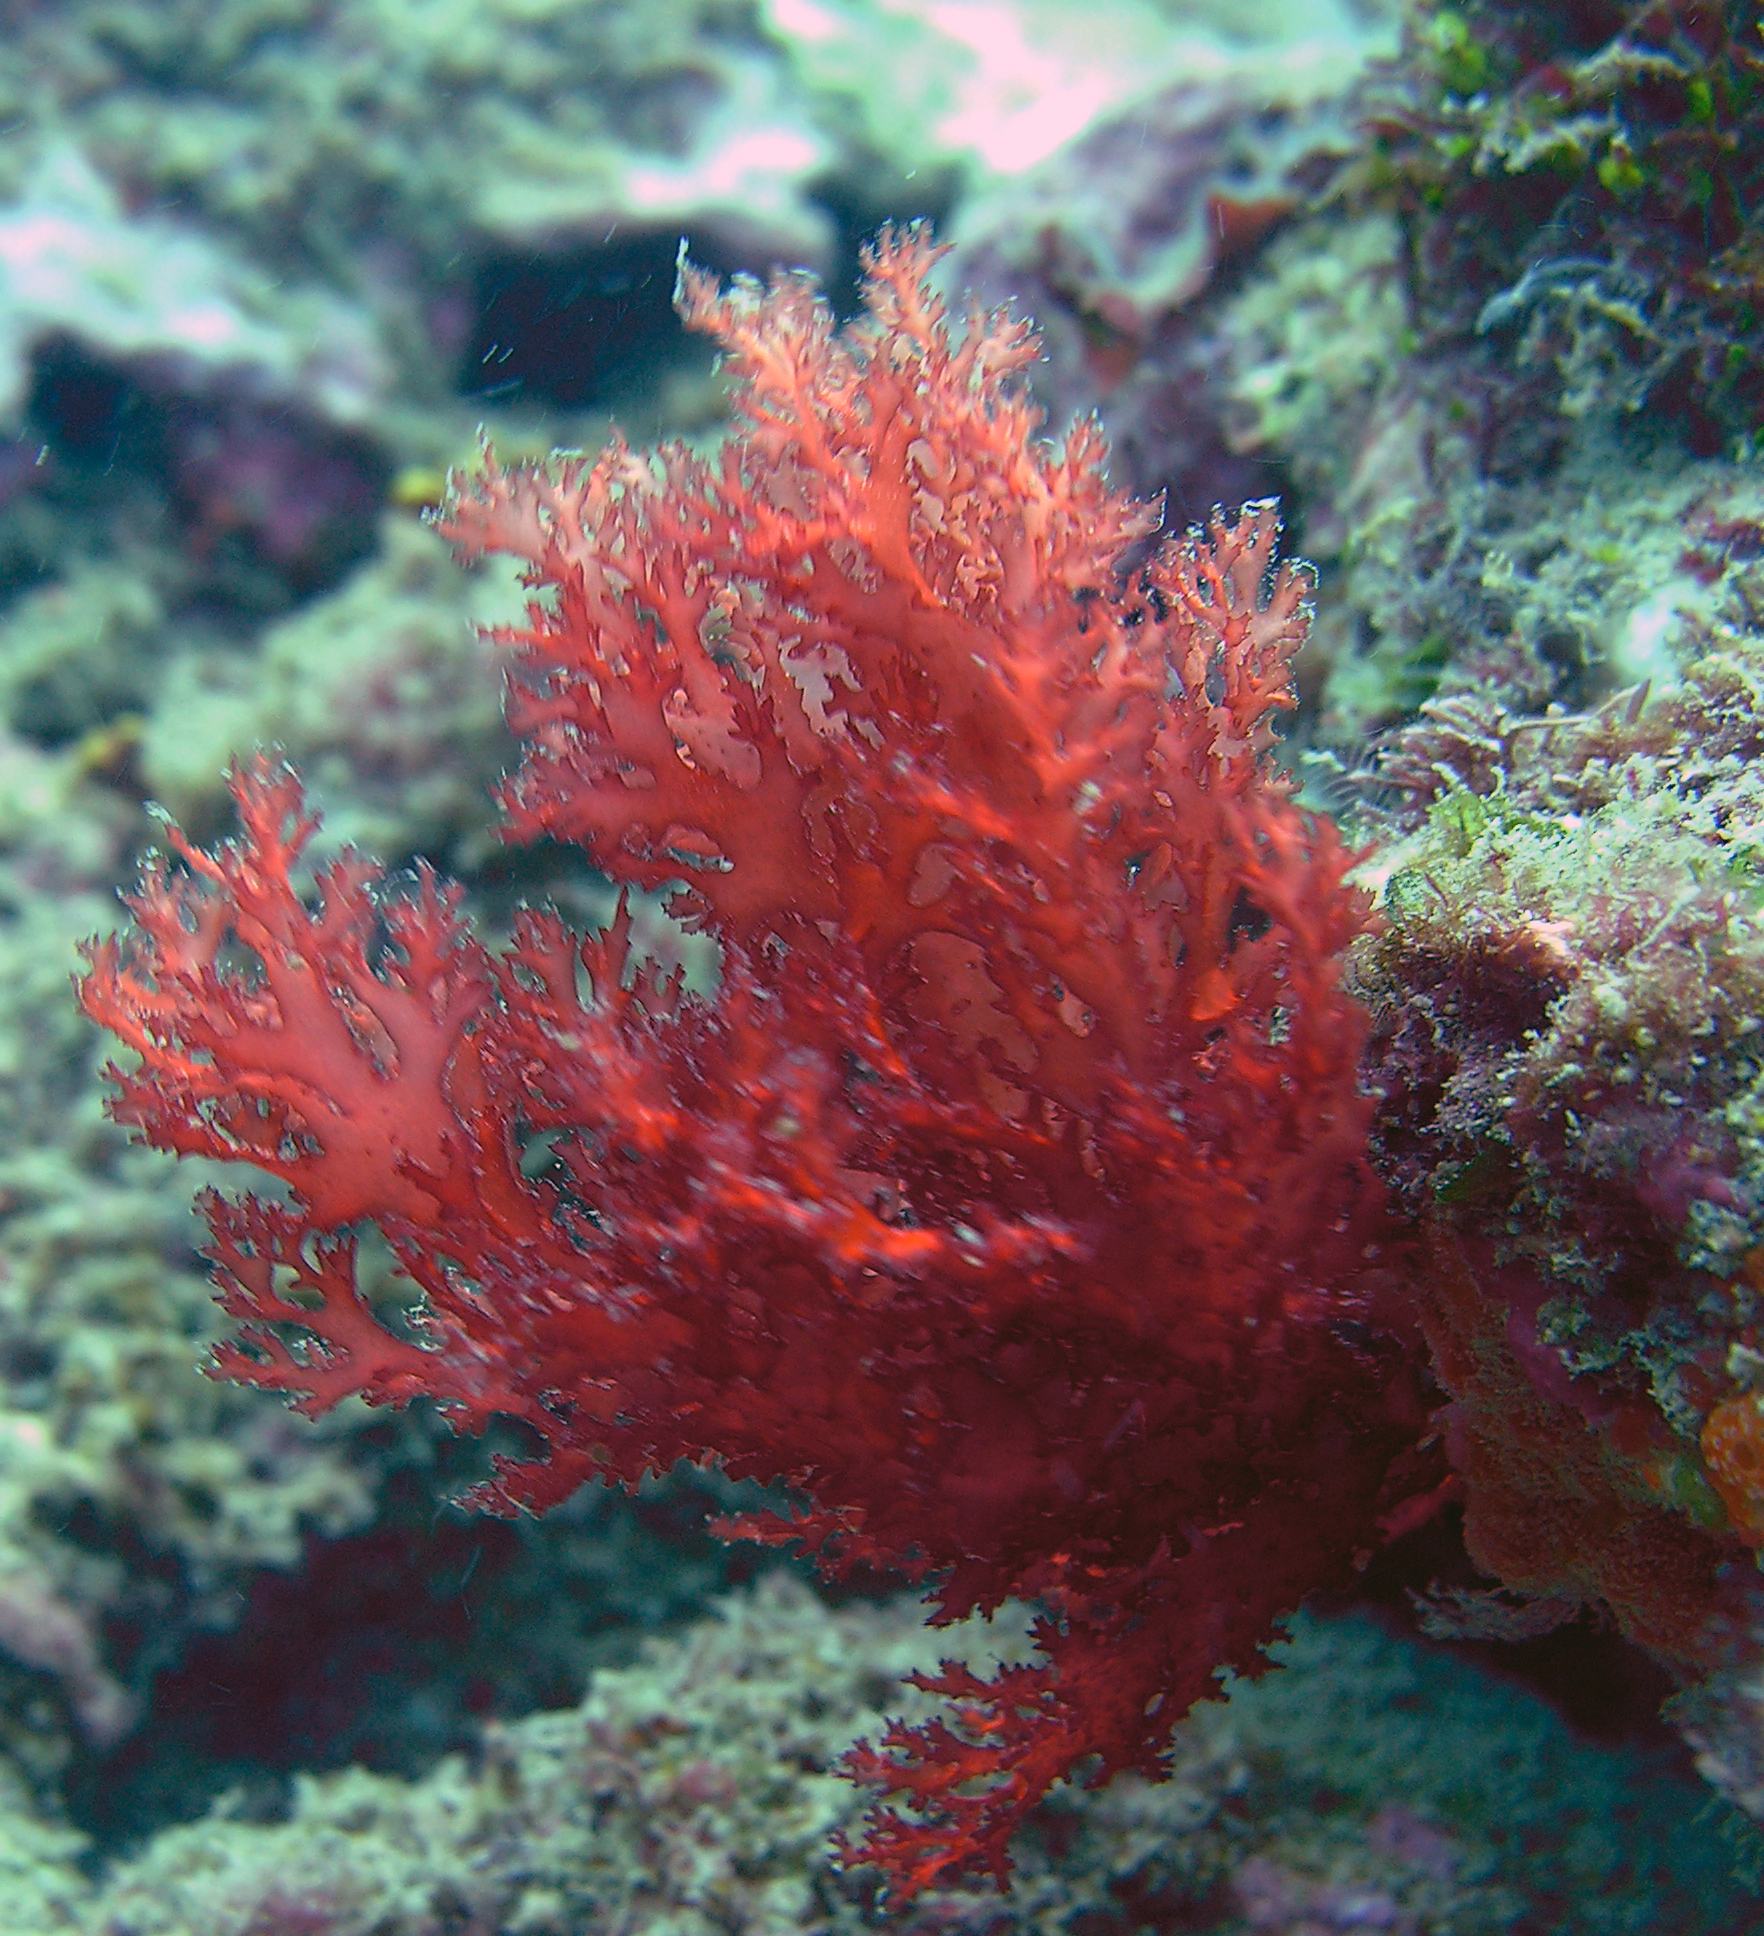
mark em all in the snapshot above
pixel 1586 181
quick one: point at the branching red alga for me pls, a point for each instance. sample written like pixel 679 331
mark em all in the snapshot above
pixel 1008 1198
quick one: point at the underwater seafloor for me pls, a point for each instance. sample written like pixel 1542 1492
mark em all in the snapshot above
pixel 1478 292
